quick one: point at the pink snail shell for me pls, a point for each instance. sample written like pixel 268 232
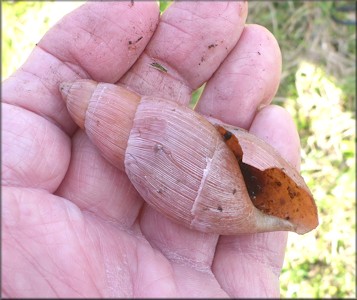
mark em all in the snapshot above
pixel 180 164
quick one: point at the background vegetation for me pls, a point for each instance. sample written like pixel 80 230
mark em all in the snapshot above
pixel 318 89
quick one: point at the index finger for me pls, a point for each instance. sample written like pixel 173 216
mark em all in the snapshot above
pixel 93 41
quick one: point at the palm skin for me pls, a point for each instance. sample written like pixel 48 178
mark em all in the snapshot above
pixel 73 226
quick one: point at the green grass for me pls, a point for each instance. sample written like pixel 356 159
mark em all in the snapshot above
pixel 317 88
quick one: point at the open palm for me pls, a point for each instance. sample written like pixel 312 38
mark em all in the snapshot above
pixel 73 225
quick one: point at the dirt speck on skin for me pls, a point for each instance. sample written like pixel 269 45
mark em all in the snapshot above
pixel 212 46
pixel 136 41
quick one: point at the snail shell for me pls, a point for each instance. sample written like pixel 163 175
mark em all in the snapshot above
pixel 187 168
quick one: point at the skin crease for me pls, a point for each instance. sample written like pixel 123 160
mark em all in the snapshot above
pixel 72 224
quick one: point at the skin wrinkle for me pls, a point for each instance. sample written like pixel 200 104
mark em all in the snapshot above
pixel 157 251
pixel 227 9
pixel 75 36
pixel 230 278
pixel 53 260
pixel 133 264
pixel 175 257
pixel 129 190
pixel 46 116
pixel 42 144
pixel 135 271
pixel 253 252
pixel 115 282
pixel 94 14
pixel 164 22
pixel 268 263
pixel 14 168
pixel 264 289
pixel 249 65
pixel 173 254
pixel 192 10
pixel 34 264
pixel 73 66
pixel 139 267
pixel 111 221
pixel 62 274
pixel 99 40
pixel 117 25
pixel 37 78
pixel 50 150
pixel 78 175
pixel 100 249
pixel 129 267
pixel 73 226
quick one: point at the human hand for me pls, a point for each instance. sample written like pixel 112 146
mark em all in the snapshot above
pixel 73 224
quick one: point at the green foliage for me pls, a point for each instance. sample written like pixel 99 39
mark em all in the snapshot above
pixel 328 165
pixel 24 23
pixel 164 5
pixel 15 16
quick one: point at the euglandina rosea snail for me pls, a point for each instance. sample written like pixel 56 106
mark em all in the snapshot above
pixel 203 174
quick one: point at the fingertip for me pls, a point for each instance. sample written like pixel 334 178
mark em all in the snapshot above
pixel 248 78
pixel 275 125
pixel 272 56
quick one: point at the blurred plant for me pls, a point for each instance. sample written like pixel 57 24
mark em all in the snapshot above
pixel 306 31
pixel 24 23
pixel 318 88
pixel 164 5
pixel 322 262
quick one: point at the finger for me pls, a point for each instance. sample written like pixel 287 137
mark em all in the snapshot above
pixel 191 41
pixel 90 42
pixel 94 185
pixel 283 134
pixel 249 265
pixel 190 253
pixel 35 152
pixel 87 42
pixel 248 78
